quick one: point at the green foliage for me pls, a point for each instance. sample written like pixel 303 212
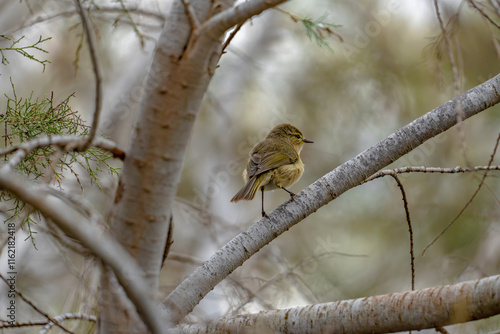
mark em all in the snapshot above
pixel 317 29
pixel 25 51
pixel 28 118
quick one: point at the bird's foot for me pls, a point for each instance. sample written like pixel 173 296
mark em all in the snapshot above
pixel 292 195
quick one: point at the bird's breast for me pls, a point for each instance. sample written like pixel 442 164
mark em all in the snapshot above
pixel 285 176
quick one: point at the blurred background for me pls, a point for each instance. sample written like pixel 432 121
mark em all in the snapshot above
pixel 386 65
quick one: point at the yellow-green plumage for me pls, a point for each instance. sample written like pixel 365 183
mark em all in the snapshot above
pixel 274 162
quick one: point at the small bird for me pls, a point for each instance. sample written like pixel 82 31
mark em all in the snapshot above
pixel 274 163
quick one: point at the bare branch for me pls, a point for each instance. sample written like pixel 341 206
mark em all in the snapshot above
pixel 103 246
pixel 97 74
pixel 66 143
pixel 410 229
pixel 230 37
pixel 415 310
pixel 169 242
pixel 456 78
pixel 102 9
pixel 67 316
pixel 220 23
pixel 346 176
pixel 468 202
pixel 422 169
pixel 451 57
pixel 49 324
pixel 36 308
pixel 496 6
pixel 483 14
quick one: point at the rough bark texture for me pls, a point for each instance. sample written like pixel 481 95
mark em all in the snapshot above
pixel 185 59
pixel 396 312
pixel 348 175
pixel 151 172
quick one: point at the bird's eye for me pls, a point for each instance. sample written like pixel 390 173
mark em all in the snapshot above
pixel 297 136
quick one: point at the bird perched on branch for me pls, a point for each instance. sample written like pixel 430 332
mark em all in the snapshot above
pixel 274 163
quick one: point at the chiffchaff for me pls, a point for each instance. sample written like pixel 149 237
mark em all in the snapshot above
pixel 274 163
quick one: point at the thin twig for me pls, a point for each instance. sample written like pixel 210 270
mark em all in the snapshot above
pixel 410 229
pixel 102 10
pixel 483 14
pixel 193 19
pixel 79 204
pixel 456 79
pixel 422 169
pixel 66 143
pixel 133 24
pixel 49 324
pixel 230 37
pixel 441 330
pixel 23 324
pixel 496 6
pixel 102 245
pixel 169 241
pixel 65 316
pixel 469 201
pixel 36 308
pixel 95 67
pixel 218 24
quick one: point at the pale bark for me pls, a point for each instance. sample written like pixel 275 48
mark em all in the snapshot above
pixel 187 53
pixel 396 312
pixel 91 236
pixel 348 175
pixel 67 143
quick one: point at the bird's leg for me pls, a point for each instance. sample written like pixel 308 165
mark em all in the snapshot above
pixel 292 195
pixel 264 214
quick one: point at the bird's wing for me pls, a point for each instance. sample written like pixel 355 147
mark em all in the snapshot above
pixel 260 163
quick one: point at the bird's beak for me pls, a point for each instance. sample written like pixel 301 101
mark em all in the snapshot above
pixel 308 141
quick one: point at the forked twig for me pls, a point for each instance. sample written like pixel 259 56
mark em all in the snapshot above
pixel 193 19
pixel 36 308
pixel 483 14
pixel 469 201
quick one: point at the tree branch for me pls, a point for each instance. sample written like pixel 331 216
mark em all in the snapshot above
pixel 468 202
pixel 348 175
pixel 67 143
pixel 67 316
pixel 404 311
pixel 36 308
pixel 410 228
pixel 423 169
pixel 174 88
pixel 193 19
pixel 220 23
pixel 97 74
pixel 102 245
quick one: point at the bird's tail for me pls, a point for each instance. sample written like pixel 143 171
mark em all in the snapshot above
pixel 247 193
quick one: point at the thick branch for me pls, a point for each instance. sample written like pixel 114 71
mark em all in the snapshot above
pixel 67 143
pixel 102 245
pixel 220 23
pixel 404 311
pixel 173 92
pixel 348 175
